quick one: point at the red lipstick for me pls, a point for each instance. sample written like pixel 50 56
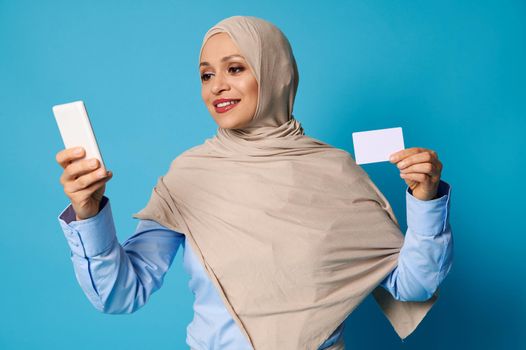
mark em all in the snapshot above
pixel 225 107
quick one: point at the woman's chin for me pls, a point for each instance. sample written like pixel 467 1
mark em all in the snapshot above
pixel 224 122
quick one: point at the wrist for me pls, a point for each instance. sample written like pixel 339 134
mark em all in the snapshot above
pixel 424 198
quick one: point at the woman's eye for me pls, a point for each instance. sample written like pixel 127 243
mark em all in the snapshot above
pixel 206 76
pixel 239 69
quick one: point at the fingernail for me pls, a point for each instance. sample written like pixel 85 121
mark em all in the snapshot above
pixel 392 158
pixel 77 151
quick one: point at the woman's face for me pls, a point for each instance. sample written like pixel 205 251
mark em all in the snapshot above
pixel 226 77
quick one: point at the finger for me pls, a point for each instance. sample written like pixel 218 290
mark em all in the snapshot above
pixel 418 177
pixel 397 156
pixel 423 157
pixel 424 168
pixel 402 154
pixel 94 186
pixel 84 181
pixel 66 156
pixel 80 167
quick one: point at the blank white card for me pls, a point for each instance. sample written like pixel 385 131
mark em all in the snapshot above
pixel 377 145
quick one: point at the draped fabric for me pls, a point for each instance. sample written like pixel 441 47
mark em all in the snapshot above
pixel 291 231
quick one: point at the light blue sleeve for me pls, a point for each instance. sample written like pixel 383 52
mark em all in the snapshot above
pixel 427 253
pixel 118 278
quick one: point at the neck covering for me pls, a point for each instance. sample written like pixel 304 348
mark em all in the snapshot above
pixel 291 231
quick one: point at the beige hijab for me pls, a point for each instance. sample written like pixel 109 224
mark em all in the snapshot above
pixel 293 234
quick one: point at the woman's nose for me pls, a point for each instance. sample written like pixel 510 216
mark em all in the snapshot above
pixel 219 84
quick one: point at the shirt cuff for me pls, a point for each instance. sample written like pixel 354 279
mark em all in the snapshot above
pixel 429 217
pixel 91 236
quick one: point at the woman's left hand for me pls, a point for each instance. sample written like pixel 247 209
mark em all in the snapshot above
pixel 420 168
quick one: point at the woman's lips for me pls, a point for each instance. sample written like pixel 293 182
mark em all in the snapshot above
pixel 227 107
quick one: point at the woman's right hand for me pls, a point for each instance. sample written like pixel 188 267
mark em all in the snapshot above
pixel 81 181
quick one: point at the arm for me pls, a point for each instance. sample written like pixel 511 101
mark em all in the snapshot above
pixel 427 254
pixel 118 279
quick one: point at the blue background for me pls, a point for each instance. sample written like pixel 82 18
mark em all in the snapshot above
pixel 450 73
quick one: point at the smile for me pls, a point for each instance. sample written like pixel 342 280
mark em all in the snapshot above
pixel 225 105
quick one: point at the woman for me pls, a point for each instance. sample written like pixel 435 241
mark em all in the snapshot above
pixel 287 235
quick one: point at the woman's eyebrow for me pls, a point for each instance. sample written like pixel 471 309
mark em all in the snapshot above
pixel 226 58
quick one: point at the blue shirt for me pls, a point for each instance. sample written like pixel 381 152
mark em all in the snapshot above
pixel 120 278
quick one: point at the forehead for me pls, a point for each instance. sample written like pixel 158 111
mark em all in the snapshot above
pixel 218 46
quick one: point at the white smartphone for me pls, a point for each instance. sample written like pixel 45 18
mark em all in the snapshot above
pixel 75 129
